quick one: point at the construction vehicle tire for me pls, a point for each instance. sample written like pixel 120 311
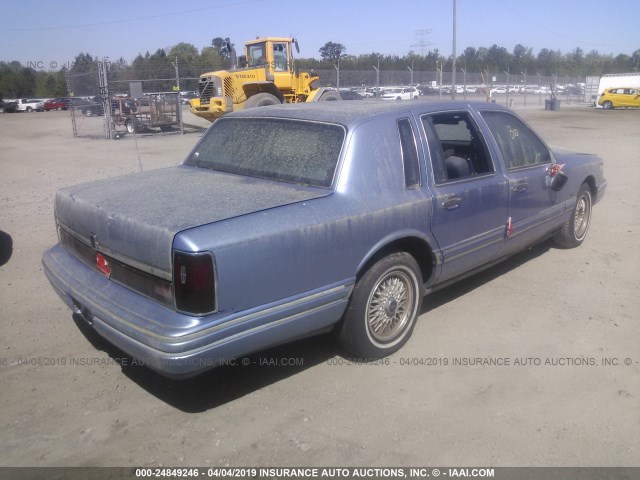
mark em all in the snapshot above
pixel 261 100
pixel 330 96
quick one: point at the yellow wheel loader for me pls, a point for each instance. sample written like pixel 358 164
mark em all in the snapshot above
pixel 264 75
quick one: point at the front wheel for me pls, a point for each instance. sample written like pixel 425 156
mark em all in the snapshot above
pixel 574 230
pixel 384 306
pixel 261 100
pixel 330 96
pixel 607 105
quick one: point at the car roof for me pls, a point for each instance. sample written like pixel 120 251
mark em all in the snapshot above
pixel 350 113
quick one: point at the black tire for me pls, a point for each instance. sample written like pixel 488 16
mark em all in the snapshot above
pixel 330 96
pixel 607 105
pixel 383 309
pixel 89 112
pixel 574 231
pixel 130 125
pixel 29 109
pixel 261 100
pixel 398 99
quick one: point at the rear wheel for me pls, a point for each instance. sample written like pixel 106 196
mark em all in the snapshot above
pixel 330 96
pixel 607 105
pixel 89 112
pixel 29 109
pixel 383 308
pixel 261 100
pixel 574 231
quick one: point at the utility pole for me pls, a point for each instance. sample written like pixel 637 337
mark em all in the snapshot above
pixel 453 69
pixel 464 80
pixel 422 43
pixel 439 73
pixel 411 79
pixel 105 96
pixel 377 69
pixel 507 97
pixel 178 105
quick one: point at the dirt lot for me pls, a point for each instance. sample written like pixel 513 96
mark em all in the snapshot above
pixel 574 308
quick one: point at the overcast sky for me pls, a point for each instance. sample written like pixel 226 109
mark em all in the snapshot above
pixel 54 32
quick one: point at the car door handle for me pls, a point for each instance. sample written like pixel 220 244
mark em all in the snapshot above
pixel 452 202
pixel 520 187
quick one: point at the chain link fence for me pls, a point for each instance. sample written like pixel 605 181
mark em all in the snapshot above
pixel 103 104
pixel 110 100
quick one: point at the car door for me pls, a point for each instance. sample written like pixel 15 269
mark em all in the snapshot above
pixel 534 208
pixel 629 98
pixel 281 65
pixel 470 198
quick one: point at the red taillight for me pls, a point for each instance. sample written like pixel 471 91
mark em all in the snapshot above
pixel 194 282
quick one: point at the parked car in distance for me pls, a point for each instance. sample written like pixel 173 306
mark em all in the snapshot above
pixel 186 96
pixel 349 95
pixel 338 219
pixel 498 90
pixel 428 90
pixel 8 106
pixel 29 105
pixel 407 93
pixel 78 102
pixel 119 106
pixel 91 108
pixel 619 97
pixel 56 104
pixel 366 92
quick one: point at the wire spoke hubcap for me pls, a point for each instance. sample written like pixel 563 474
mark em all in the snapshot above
pixel 390 306
pixel 581 217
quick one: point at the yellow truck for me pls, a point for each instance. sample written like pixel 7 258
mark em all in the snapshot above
pixel 264 75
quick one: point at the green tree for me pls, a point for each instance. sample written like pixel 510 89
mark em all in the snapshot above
pixel 331 51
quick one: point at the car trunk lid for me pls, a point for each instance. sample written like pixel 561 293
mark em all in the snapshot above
pixel 136 217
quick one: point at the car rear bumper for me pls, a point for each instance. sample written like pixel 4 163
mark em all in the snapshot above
pixel 178 345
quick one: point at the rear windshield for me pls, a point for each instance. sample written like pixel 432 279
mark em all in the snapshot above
pixel 284 150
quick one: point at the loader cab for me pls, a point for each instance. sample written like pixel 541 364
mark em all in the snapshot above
pixel 256 54
pixel 276 56
pixel 274 53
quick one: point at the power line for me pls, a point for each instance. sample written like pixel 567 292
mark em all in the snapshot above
pixel 128 20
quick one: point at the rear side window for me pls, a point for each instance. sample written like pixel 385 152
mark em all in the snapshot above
pixel 409 154
pixel 519 146
pixel 283 150
pixel 458 151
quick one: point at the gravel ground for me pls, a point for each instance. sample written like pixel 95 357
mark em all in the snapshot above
pixel 69 399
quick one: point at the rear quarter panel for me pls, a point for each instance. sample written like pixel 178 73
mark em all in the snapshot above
pixel 271 255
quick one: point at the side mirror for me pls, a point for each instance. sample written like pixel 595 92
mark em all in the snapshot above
pixel 558 181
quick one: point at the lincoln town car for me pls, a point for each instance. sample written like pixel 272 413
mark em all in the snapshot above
pixel 293 220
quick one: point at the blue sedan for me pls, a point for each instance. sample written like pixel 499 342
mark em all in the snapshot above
pixel 292 220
